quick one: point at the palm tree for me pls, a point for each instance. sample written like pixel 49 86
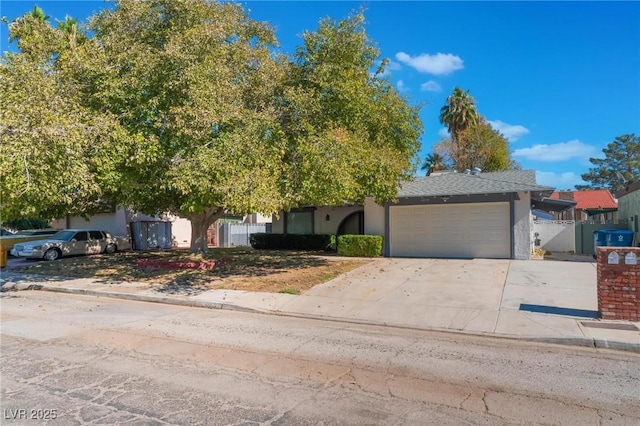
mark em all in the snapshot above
pixel 38 14
pixel 433 162
pixel 27 26
pixel 459 113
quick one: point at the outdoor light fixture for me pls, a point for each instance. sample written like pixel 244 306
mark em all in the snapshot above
pixel 327 218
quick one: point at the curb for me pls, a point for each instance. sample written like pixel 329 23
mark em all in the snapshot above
pixel 566 341
pixel 132 297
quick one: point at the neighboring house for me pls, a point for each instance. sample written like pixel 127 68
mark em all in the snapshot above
pixel 448 215
pixel 123 222
pixel 114 222
pixel 597 205
pixel 629 206
pixel 163 231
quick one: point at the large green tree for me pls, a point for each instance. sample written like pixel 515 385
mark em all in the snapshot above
pixel 193 83
pixel 621 164
pixel 186 107
pixel 49 139
pixel 349 133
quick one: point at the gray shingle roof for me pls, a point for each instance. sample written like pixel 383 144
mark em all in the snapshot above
pixel 462 184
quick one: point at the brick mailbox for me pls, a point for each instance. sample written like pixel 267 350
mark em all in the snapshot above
pixel 619 283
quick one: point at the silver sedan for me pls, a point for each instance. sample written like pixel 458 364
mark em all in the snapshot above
pixel 71 242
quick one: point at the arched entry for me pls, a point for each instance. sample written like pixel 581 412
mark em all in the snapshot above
pixel 352 224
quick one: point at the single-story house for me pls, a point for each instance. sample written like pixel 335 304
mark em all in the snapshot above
pixel 164 231
pixel 596 205
pixel 629 206
pixel 446 214
pixel 124 222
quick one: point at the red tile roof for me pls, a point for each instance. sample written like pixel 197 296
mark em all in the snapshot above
pixel 591 199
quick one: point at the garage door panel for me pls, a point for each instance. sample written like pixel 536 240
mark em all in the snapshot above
pixel 450 230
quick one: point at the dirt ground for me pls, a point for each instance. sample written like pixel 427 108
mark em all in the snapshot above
pixel 247 269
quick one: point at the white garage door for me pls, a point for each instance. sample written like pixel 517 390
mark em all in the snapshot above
pixel 450 230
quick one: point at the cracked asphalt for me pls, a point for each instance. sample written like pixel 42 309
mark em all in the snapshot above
pixel 106 361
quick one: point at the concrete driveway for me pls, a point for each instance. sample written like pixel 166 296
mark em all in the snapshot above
pixel 476 295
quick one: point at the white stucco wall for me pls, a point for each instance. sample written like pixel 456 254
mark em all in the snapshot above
pixel 336 216
pixel 522 226
pixel 374 220
pixel 181 231
pixel 556 235
pixel 115 223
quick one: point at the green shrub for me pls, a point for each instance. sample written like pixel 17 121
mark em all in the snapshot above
pixel 360 245
pixel 27 223
pixel 262 241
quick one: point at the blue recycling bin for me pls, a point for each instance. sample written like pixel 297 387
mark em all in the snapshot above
pixel 619 237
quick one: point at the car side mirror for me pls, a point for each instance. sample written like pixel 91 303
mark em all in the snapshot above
pixel 73 240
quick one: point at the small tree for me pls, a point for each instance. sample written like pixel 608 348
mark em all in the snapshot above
pixel 434 162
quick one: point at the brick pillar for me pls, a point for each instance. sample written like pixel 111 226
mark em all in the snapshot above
pixel 618 285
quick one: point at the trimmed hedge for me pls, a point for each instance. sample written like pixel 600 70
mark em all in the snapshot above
pixel 262 241
pixel 360 245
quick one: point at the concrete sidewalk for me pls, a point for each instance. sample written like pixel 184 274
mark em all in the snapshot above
pixel 478 296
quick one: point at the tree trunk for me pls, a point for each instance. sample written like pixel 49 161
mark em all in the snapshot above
pixel 199 225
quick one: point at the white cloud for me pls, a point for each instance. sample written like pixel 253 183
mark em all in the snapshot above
pixel 572 150
pixel 400 85
pixel 511 132
pixel 560 181
pixel 443 133
pixel 438 64
pixel 393 66
pixel 430 86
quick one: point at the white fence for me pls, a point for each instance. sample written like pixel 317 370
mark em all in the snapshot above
pixel 556 235
pixel 237 234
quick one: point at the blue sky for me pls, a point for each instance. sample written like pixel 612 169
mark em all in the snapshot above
pixel 559 79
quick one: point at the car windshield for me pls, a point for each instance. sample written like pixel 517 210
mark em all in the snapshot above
pixel 62 235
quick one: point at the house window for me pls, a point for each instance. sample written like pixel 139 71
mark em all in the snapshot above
pixel 299 222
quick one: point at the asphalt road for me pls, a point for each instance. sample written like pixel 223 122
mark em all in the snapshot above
pixel 83 360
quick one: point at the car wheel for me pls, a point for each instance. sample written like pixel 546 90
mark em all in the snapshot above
pixel 110 249
pixel 51 254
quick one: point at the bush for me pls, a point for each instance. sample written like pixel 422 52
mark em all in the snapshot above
pixel 360 245
pixel 262 241
pixel 27 223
